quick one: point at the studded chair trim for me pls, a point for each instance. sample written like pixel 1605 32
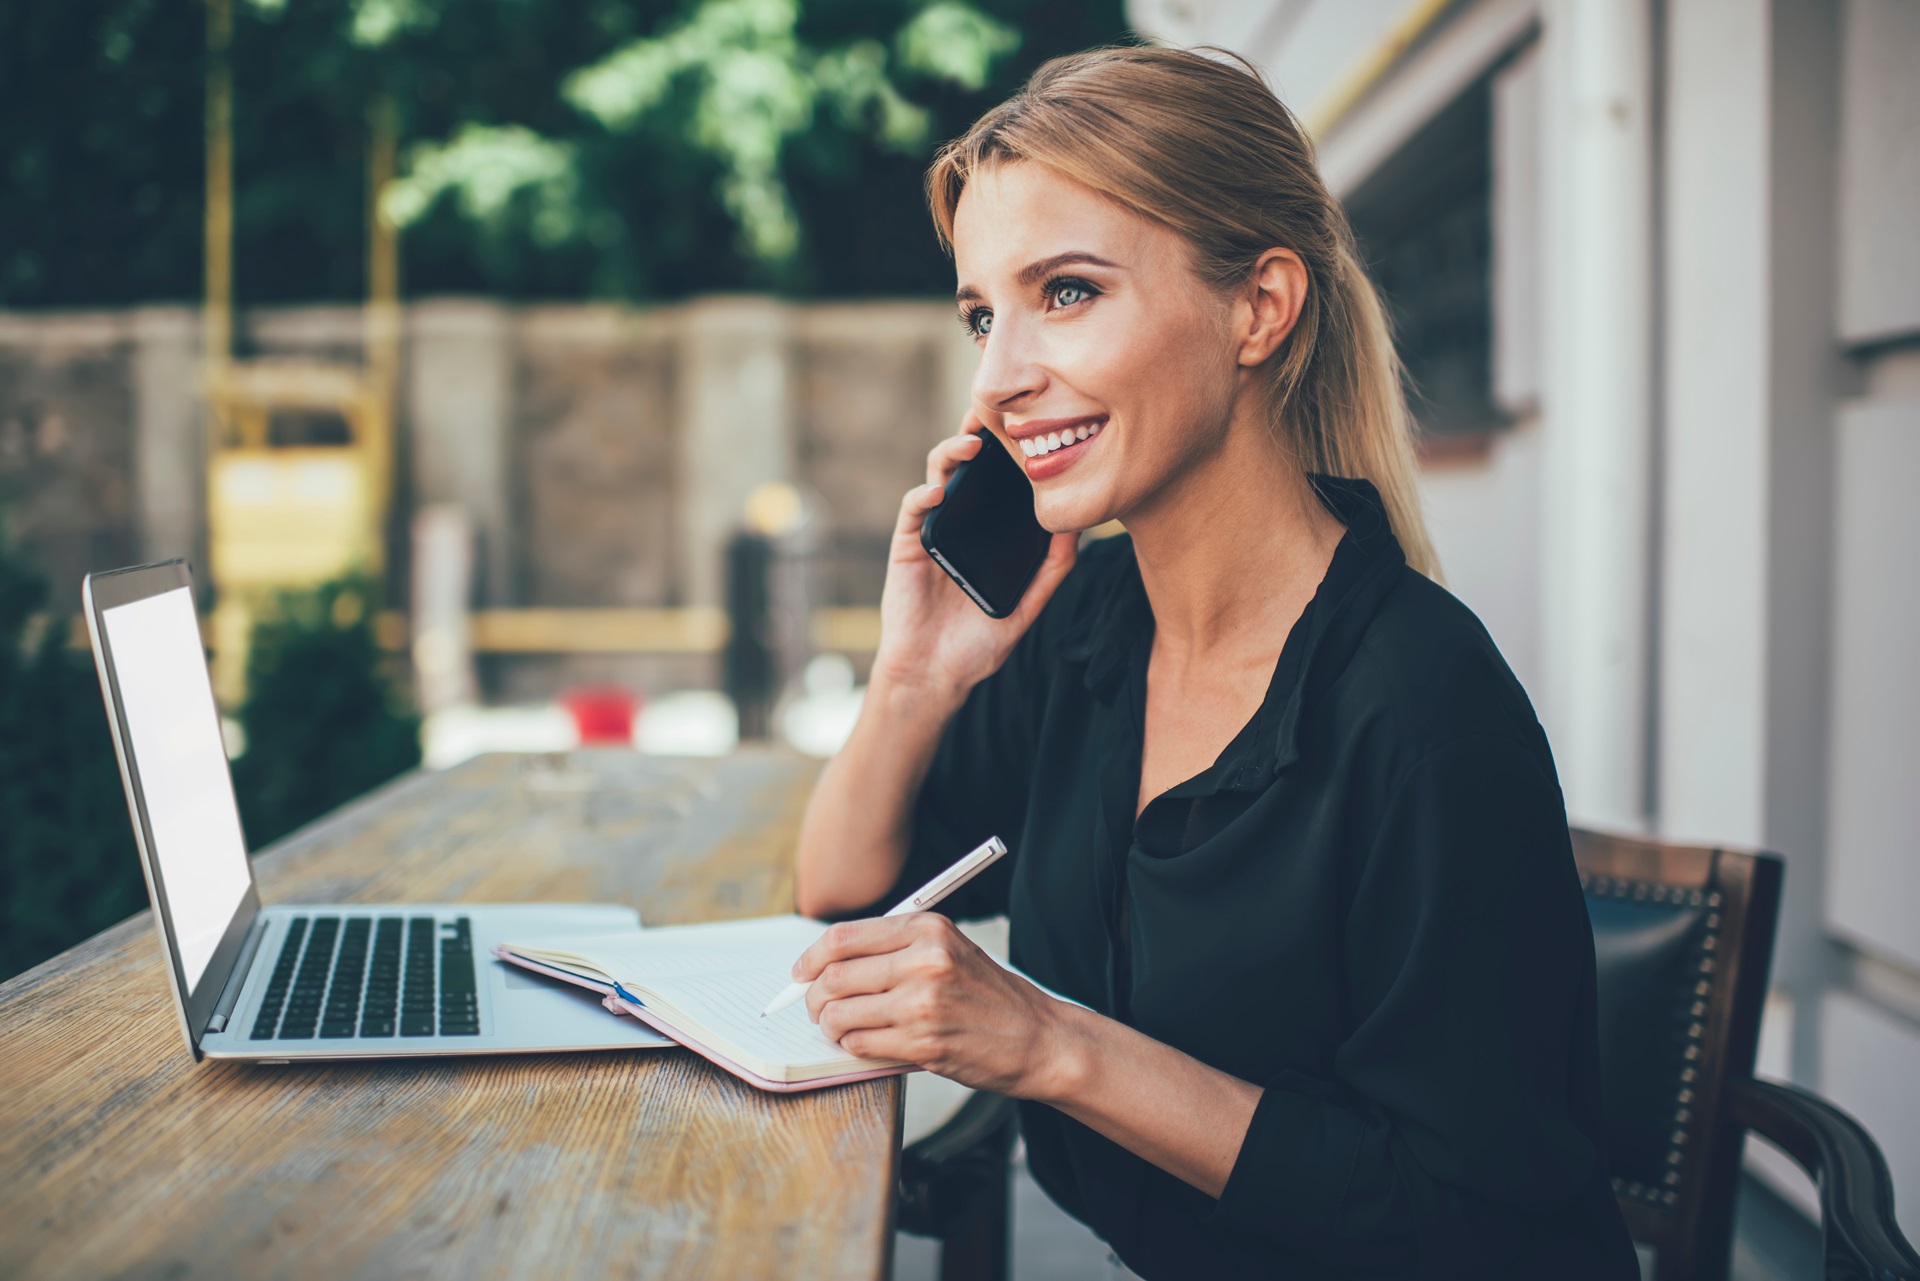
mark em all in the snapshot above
pixel 1704 964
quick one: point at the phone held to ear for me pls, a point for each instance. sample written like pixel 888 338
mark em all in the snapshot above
pixel 984 532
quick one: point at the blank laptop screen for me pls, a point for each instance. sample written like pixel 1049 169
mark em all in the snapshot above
pixel 173 734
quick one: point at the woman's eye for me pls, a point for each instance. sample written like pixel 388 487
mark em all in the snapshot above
pixel 1069 292
pixel 977 321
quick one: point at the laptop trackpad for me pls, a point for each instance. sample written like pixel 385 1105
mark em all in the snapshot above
pixel 533 1011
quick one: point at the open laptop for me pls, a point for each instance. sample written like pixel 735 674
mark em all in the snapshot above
pixel 276 984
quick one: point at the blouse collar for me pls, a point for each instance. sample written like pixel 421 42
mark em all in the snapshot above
pixel 1365 567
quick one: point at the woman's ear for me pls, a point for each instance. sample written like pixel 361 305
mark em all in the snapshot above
pixel 1274 293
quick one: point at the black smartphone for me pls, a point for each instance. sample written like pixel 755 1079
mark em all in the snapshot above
pixel 984 532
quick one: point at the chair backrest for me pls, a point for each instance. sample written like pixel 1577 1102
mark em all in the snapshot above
pixel 1683 936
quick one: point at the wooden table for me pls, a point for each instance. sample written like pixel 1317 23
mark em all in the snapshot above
pixel 120 1157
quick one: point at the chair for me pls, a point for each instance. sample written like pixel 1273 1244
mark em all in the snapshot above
pixel 1684 936
pixel 956 1185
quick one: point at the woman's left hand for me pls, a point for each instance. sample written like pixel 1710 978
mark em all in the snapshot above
pixel 915 988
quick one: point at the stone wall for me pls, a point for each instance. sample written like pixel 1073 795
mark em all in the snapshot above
pixel 67 494
pixel 601 452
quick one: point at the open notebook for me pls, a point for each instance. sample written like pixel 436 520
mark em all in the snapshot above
pixel 704 986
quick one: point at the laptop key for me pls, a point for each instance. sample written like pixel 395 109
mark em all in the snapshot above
pixel 349 975
pixel 310 981
pixel 267 1020
pixel 459 985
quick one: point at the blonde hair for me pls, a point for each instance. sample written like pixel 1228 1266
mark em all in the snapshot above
pixel 1206 149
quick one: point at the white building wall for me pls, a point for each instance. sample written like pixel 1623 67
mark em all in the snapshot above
pixel 1597 84
pixel 1880 172
pixel 1484 515
pixel 1874 881
pixel 1717 416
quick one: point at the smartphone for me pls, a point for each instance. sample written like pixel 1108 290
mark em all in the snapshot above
pixel 984 532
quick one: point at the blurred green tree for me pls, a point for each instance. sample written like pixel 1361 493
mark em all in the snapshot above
pixel 568 148
pixel 322 723
pixel 67 862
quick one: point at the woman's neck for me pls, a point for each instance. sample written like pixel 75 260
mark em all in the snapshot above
pixel 1232 551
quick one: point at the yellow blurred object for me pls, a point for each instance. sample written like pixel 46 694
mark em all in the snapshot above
pixel 693 630
pixel 847 629
pixel 289 518
pixel 775 509
pixel 295 513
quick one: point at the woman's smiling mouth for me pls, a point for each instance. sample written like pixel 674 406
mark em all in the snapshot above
pixel 1051 451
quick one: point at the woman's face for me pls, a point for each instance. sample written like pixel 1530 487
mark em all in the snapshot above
pixel 1107 367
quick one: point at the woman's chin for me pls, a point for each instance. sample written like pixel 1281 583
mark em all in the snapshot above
pixel 1069 513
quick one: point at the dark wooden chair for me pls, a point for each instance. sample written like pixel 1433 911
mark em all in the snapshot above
pixel 956 1185
pixel 1684 938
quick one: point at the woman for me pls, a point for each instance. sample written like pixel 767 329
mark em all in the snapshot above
pixel 1281 818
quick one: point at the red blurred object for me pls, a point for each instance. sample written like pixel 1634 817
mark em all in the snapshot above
pixel 603 714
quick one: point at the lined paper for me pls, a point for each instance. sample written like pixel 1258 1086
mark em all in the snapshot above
pixel 722 1010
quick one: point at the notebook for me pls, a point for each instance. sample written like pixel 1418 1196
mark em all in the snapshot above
pixel 704 986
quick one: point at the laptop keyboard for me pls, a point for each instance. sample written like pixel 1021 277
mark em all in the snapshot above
pixel 371 978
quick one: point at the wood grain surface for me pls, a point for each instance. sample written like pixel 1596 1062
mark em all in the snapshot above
pixel 120 1157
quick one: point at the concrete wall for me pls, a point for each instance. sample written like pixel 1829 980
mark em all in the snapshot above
pixel 602 454
pixel 68 493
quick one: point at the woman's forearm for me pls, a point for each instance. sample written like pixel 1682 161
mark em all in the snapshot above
pixel 853 840
pixel 1160 1104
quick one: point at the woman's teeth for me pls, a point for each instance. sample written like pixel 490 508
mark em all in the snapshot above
pixel 1036 446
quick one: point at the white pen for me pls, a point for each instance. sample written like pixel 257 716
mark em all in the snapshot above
pixel 918 901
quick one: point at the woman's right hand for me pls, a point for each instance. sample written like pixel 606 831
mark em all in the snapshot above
pixel 934 641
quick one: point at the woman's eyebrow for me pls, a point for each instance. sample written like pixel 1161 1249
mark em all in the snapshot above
pixel 1033 273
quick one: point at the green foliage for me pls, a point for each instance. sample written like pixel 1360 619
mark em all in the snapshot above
pixel 322 723
pixel 618 148
pixel 756 83
pixel 68 867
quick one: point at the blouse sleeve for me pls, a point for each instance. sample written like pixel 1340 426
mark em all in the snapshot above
pixel 1469 964
pixel 976 787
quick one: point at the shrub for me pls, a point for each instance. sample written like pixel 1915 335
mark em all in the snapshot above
pixel 68 867
pixel 322 722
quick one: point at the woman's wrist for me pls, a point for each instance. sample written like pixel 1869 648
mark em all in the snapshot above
pixel 918 699
pixel 1067 1057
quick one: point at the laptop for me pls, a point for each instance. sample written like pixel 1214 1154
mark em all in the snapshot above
pixel 275 984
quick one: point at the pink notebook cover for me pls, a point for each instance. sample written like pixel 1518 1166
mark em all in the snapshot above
pixel 619 1005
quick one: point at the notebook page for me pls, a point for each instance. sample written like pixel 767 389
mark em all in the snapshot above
pixel 632 957
pixel 722 1011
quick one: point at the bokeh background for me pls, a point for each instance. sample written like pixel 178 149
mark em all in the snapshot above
pixel 520 375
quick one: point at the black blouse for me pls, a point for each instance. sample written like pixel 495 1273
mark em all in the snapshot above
pixel 1367 905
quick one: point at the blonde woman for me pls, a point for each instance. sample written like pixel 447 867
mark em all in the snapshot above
pixel 1281 817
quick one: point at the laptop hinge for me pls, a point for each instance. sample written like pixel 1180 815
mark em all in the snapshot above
pixel 237 976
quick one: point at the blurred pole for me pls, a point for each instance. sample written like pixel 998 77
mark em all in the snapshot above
pixel 442 623
pixel 233 624
pixel 750 675
pixel 791 519
pixel 218 316
pixel 383 301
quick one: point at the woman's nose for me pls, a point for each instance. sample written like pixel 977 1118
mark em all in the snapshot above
pixel 1007 371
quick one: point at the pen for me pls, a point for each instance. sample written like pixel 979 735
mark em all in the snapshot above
pixel 918 901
